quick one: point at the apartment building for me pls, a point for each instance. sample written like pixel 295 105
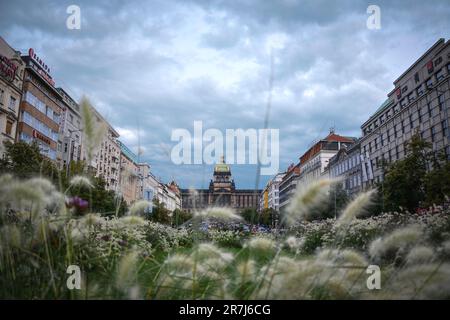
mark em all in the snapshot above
pixel 106 161
pixel 11 75
pixel 40 108
pixel 314 161
pixel 169 195
pixel 147 184
pixel 288 185
pixel 346 165
pixel 270 197
pixel 129 170
pixel 419 103
pixel 70 134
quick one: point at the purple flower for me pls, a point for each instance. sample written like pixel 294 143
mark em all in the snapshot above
pixel 78 204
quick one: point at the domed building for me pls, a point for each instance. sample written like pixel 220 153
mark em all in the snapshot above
pixel 221 192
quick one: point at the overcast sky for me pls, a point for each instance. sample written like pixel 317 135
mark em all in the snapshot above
pixel 150 67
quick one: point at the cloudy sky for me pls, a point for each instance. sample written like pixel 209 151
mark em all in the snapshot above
pixel 152 66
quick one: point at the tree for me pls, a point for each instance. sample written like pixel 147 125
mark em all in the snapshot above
pixel 160 213
pixel 437 182
pixel 24 160
pixel 268 216
pixel 250 216
pixel 179 217
pixel 404 181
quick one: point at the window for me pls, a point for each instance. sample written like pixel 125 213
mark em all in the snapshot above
pixel 444 128
pixel 441 102
pixel 9 125
pixel 412 96
pixel 440 74
pixel 70 118
pixel 433 133
pixel 402 104
pixel 12 103
pixel 416 77
pixel 429 83
pixel 2 93
pixel 437 61
pixel 429 109
pixel 420 90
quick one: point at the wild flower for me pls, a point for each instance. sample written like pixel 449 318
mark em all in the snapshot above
pixel 306 198
pixel 81 181
pixel 133 220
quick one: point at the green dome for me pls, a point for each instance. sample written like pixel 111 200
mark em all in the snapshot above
pixel 222 167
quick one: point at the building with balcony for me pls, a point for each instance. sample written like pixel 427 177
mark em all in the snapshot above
pixel 418 103
pixel 70 131
pixel 270 196
pixel 11 78
pixel 40 108
pixel 106 161
pixel 129 174
pixel 288 185
pixel 346 166
pixel 148 184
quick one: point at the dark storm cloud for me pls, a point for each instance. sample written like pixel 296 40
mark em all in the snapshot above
pixel 150 67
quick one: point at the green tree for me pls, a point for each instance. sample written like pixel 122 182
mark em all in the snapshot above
pixel 100 199
pixel 179 217
pixel 160 213
pixel 404 183
pixel 250 216
pixel 437 182
pixel 24 160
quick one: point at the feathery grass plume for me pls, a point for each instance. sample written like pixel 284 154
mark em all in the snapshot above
pixel 398 240
pixel 425 281
pixel 94 131
pixel 220 213
pixel 261 244
pixel 346 258
pixel 420 255
pixel 179 262
pixel 126 271
pixel 91 219
pixel 306 198
pixel 77 235
pixel 356 207
pixel 138 208
pixel 246 271
pixel 133 221
pixel 10 235
pixel 293 243
pixel 81 181
pixel 211 251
